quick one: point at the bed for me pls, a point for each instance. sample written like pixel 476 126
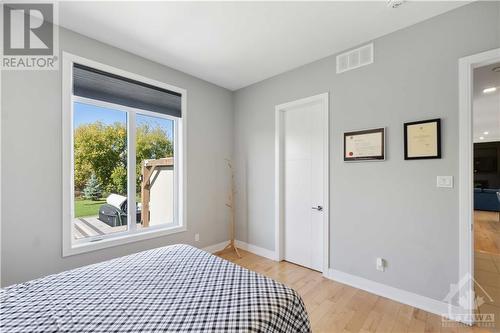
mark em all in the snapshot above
pixel 176 288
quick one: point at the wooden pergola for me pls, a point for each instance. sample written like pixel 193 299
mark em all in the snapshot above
pixel 148 169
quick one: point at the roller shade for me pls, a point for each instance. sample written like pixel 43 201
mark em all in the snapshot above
pixel 96 84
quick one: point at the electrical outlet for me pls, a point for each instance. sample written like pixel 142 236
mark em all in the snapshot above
pixel 381 264
pixel 196 237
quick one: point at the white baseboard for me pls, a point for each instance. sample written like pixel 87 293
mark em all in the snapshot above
pixel 260 251
pixel 418 301
pixel 244 246
pixel 215 247
pixel 439 308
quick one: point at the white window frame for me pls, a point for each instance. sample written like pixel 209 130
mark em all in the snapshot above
pixel 72 246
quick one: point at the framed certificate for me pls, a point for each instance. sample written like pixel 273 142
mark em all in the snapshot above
pixel 364 145
pixel 422 139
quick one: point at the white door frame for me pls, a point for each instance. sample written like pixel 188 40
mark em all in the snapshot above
pixel 279 182
pixel 466 177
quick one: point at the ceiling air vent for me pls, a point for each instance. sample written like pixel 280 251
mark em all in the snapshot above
pixel 356 58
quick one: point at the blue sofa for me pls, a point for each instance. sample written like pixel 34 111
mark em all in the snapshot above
pixel 486 199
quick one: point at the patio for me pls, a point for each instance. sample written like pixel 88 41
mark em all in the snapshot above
pixel 91 226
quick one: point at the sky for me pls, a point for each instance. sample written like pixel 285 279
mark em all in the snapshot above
pixel 86 114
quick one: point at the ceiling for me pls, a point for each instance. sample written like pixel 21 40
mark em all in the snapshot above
pixel 235 44
pixel 486 107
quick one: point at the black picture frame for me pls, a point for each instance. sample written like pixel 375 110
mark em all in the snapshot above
pixel 380 157
pixel 437 138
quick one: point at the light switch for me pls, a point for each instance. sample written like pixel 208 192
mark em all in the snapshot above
pixel 445 181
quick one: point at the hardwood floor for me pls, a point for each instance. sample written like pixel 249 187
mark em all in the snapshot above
pixel 486 232
pixel 487 261
pixel 487 276
pixel 335 307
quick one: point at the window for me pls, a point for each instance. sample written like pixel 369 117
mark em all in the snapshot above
pixel 122 157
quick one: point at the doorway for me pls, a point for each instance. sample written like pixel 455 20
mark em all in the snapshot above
pixel 479 178
pixel 302 169
pixel 486 157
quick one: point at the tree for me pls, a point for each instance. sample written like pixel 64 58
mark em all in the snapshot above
pixel 92 190
pixel 152 143
pixel 101 150
pixel 118 182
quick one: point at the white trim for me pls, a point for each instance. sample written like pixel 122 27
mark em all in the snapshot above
pixel 466 178
pixel 278 212
pixel 260 251
pixel 215 247
pixel 67 169
pixel 278 186
pixel 1 179
pixel 131 165
pixel 132 235
pixel 123 239
pixel 418 301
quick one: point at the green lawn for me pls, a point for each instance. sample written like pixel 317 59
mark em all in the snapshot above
pixel 87 207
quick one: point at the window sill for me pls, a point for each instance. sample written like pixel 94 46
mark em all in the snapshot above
pixel 80 248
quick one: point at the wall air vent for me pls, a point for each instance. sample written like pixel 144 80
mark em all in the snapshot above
pixel 356 58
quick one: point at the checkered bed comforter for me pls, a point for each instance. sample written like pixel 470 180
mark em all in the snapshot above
pixel 172 289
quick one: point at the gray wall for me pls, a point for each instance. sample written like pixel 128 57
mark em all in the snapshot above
pixel 388 209
pixel 31 163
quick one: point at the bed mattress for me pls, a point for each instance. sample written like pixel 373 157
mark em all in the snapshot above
pixel 176 288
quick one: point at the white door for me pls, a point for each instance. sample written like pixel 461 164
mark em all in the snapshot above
pixel 303 166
